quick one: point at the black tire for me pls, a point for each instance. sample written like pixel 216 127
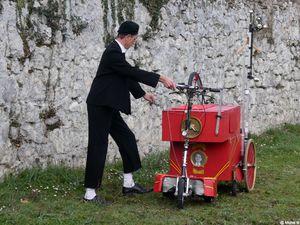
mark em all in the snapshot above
pixel 180 197
pixel 234 188
pixel 195 80
pixel 169 195
pixel 208 199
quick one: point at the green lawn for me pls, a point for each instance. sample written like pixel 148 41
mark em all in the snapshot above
pixel 53 196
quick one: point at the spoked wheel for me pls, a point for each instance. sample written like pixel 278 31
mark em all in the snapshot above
pixel 195 80
pixel 180 197
pixel 250 165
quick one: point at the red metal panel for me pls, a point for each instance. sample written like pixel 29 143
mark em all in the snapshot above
pixel 210 187
pixel 219 160
pixel 207 115
pixel 234 120
pixel 158 182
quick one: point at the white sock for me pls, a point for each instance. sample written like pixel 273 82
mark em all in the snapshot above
pixel 90 193
pixel 128 180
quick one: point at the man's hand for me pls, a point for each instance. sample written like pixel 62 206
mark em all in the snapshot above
pixel 149 97
pixel 168 83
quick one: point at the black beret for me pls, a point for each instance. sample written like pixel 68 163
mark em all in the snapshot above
pixel 128 27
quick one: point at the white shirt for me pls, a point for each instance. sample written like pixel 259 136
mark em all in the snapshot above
pixel 123 49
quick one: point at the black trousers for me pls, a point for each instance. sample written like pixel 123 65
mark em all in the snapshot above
pixel 102 122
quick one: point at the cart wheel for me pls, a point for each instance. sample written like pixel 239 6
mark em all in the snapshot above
pixel 169 195
pixel 234 188
pixel 180 197
pixel 195 80
pixel 250 165
pixel 208 199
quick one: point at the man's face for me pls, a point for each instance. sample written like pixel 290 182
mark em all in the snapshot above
pixel 198 158
pixel 129 40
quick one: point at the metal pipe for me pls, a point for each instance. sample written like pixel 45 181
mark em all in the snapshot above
pixel 219 113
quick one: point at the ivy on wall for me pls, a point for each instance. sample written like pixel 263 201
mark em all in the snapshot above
pixel 53 15
pixel 1 6
pixel 153 7
pixel 24 26
pixel 121 10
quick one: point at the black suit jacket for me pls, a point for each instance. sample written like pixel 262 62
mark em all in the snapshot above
pixel 116 78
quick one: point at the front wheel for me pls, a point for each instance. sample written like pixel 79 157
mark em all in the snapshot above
pixel 180 197
pixel 250 165
pixel 195 80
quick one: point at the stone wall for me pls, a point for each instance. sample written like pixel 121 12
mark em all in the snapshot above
pixel 50 50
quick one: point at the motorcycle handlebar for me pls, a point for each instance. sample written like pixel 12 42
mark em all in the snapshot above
pixel 182 86
pixel 213 89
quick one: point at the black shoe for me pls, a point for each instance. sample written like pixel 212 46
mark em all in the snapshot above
pixel 136 189
pixel 98 200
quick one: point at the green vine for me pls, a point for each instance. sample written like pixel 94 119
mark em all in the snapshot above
pixel 1 7
pixel 125 8
pixel 15 125
pixel 153 7
pixel 54 15
pixel 24 26
pixel 78 24
pixel 122 10
pixel 50 113
pixel 107 38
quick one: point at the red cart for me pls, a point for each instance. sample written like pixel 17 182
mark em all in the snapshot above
pixel 211 157
pixel 208 143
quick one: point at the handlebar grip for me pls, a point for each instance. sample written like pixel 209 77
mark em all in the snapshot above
pixel 181 85
pixel 214 89
pixel 175 92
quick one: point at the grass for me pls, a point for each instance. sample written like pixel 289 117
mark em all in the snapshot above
pixel 53 195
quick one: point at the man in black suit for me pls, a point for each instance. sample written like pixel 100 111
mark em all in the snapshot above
pixel 110 95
